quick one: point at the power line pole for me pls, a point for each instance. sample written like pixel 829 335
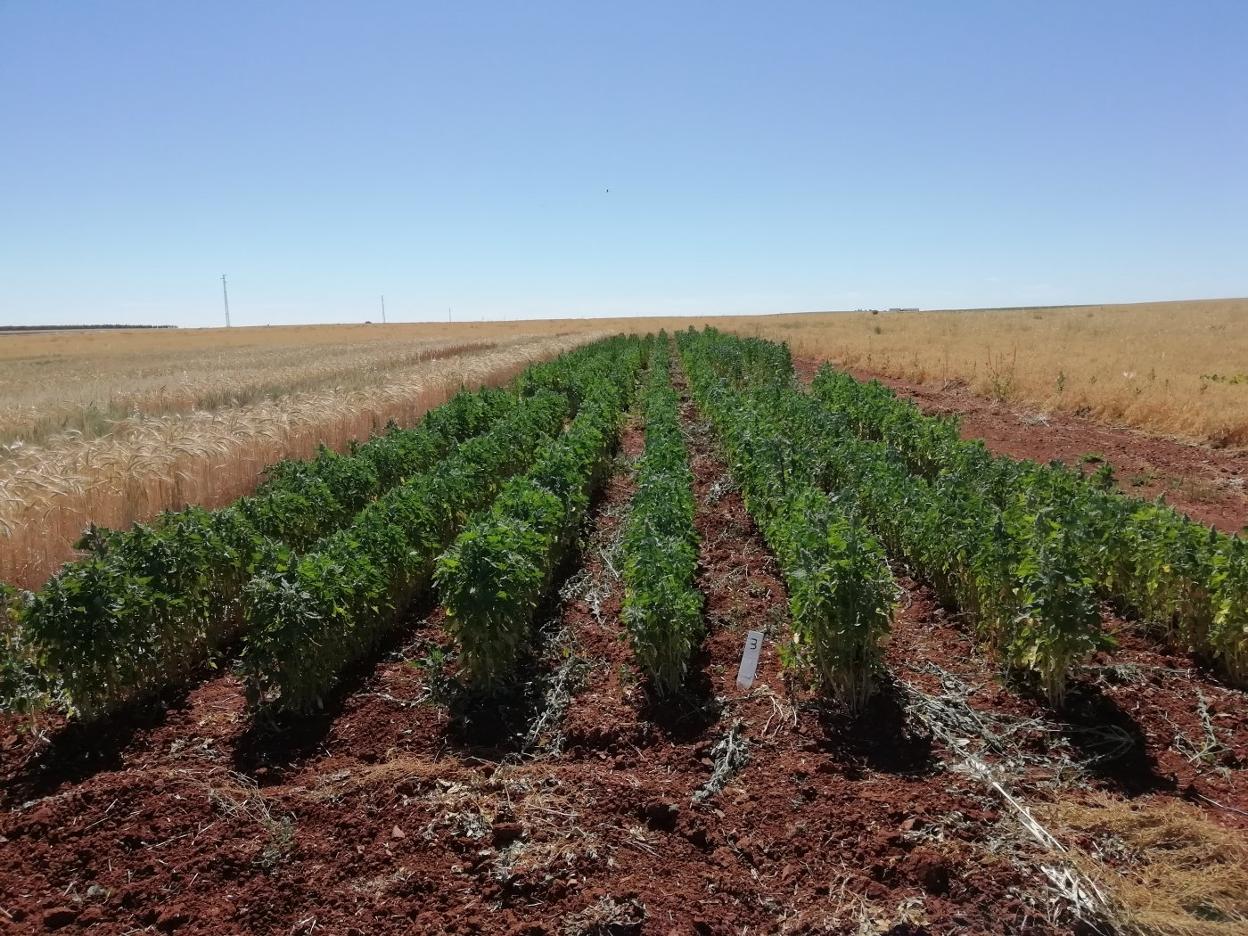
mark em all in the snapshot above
pixel 448 313
pixel 225 294
pixel 383 310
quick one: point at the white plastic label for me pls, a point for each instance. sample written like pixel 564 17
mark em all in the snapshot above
pixel 749 659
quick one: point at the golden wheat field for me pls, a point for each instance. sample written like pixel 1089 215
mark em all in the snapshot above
pixel 112 427
pixel 83 382
pixel 203 418
pixel 1177 368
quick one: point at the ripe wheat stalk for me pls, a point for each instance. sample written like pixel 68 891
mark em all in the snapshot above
pixel 144 465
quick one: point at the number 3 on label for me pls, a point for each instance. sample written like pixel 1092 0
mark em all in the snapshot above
pixel 749 659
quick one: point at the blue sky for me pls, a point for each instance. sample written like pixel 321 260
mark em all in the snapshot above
pixel 760 157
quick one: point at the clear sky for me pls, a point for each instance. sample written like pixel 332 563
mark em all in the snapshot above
pixel 760 157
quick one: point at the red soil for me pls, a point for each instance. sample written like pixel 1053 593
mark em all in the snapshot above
pixel 400 810
pixel 1208 484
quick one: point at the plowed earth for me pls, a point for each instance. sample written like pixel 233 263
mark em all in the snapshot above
pixel 581 808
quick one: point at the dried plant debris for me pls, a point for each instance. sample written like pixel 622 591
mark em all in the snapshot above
pixel 239 798
pixel 729 755
pixel 1165 869
pixel 609 916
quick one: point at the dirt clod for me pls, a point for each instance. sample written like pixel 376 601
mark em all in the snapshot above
pixel 504 833
pixel 661 815
pixel 929 869
pixel 171 919
pixel 59 917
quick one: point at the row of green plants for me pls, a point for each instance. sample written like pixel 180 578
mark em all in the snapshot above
pixel 310 619
pixel 23 688
pixel 1183 579
pixel 1013 569
pixel 147 606
pixel 662 608
pixel 301 500
pixel 150 604
pixel 503 565
pixel 841 591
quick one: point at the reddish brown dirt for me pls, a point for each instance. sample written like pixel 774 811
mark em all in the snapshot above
pixel 1147 697
pixel 1132 725
pixel 597 717
pixel 828 824
pixel 399 810
pixel 1208 484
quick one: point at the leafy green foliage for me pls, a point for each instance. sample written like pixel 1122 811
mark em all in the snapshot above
pixel 145 611
pixel 23 688
pixel 1057 623
pixel 1228 583
pixel 661 608
pixel 492 579
pixel 841 591
pixel 1148 558
pixel 148 605
pixel 1014 563
pixel 343 597
pixel 496 574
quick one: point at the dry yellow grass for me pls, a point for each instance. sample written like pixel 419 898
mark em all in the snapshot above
pixel 1179 368
pixel 86 386
pixel 145 464
pixel 1150 366
pixel 1166 869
